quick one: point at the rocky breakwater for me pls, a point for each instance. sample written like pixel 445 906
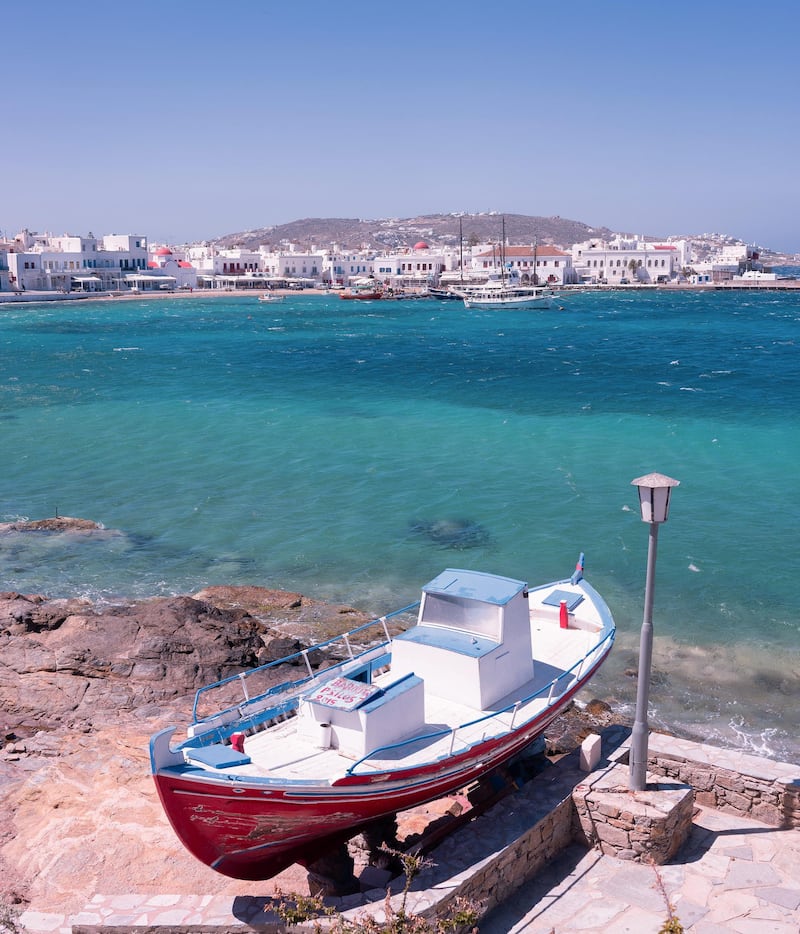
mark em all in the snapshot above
pixel 82 687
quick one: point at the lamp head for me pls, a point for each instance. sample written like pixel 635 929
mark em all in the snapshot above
pixel 654 494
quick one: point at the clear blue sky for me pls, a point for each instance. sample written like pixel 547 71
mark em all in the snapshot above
pixel 189 119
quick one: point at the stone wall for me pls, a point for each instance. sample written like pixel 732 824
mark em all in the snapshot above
pixel 643 826
pixel 730 781
pixel 497 879
pixel 493 856
pixel 489 858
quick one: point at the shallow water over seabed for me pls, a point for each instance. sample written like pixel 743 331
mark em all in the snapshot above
pixel 353 450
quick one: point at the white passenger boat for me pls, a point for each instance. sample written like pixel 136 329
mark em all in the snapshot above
pixel 507 292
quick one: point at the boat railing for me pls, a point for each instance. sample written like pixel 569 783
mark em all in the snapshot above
pixel 226 700
pixel 571 675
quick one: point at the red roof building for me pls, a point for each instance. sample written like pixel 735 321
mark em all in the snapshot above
pixel 539 264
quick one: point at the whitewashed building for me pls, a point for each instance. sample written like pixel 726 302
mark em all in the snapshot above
pixel 417 268
pixel 293 264
pixel 5 284
pixel 42 262
pixel 731 262
pixel 621 262
pixel 536 265
pixel 342 266
pixel 229 268
pixel 172 270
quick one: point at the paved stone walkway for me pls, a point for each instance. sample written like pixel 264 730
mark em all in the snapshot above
pixel 733 875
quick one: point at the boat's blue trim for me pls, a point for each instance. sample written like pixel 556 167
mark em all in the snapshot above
pixel 295 657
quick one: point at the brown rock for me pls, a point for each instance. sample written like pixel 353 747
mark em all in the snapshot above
pixel 71 662
pixel 253 599
pixel 57 524
pixel 569 729
pixel 82 688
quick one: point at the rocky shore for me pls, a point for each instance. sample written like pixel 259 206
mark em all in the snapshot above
pixel 83 686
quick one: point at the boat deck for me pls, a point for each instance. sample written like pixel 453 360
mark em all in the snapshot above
pixel 283 752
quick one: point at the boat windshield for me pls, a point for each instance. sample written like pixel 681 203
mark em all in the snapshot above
pixel 473 616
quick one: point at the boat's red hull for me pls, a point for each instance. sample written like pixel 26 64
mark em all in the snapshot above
pixel 254 830
pixel 361 296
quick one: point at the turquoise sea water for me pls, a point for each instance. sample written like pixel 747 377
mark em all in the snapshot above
pixel 314 445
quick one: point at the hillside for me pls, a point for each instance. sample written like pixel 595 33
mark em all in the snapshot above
pixel 397 233
pixel 441 230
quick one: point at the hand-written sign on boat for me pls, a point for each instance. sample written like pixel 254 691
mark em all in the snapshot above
pixel 343 693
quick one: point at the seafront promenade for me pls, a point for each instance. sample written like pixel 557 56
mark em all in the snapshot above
pixel 12 298
pixel 734 873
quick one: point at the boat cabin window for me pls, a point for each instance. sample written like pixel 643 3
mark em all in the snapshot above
pixel 472 616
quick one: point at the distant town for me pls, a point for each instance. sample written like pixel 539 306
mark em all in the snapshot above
pixel 55 266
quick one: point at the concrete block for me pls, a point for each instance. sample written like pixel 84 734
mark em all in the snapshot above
pixel 590 752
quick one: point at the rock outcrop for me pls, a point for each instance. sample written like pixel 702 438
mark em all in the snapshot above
pixel 56 524
pixel 67 663
pixel 82 687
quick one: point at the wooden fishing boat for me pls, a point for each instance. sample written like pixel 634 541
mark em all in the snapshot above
pixel 368 289
pixel 279 773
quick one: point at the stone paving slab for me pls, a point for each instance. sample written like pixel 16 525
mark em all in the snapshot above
pixel 715 885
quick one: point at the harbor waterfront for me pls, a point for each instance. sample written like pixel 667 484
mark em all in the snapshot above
pixel 348 450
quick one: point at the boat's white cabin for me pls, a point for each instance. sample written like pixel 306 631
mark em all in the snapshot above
pixel 356 718
pixel 471 645
pixel 472 642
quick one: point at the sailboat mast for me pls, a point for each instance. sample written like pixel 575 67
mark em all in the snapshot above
pixel 461 249
pixel 503 254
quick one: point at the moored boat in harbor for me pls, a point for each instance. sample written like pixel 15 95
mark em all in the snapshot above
pixel 445 294
pixel 511 298
pixel 278 773
pixel 509 293
pixel 365 290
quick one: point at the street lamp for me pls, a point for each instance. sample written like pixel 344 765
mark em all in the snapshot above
pixel 654 495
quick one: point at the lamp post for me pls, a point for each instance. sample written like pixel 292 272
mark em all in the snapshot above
pixel 654 494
